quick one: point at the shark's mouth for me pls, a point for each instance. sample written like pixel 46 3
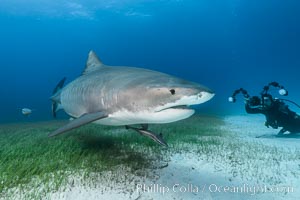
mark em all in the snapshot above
pixel 183 103
pixel 178 107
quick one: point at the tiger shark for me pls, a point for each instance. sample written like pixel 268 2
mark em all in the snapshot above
pixel 125 96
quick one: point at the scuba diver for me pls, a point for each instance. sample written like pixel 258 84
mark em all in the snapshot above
pixel 275 110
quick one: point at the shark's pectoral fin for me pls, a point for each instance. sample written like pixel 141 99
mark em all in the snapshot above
pixel 82 120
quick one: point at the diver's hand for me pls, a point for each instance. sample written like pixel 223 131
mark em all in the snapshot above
pixel 267 124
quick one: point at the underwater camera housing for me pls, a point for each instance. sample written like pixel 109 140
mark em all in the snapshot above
pixel 254 101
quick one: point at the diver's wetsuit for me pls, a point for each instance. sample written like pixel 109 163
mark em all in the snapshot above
pixel 277 115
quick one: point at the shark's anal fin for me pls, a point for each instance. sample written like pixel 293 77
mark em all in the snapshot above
pixel 82 120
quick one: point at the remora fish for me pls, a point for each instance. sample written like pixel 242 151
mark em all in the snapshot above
pixel 122 96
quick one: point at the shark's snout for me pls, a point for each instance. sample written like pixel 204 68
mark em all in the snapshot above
pixel 205 96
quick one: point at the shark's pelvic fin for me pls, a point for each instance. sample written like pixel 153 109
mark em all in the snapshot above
pixel 93 63
pixel 56 96
pixel 82 120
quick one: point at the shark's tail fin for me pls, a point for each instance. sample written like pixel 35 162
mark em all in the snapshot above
pixel 56 96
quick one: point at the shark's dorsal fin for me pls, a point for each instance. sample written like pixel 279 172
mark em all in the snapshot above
pixel 93 63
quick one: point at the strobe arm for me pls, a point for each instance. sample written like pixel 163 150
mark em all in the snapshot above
pixel 282 91
pixel 232 98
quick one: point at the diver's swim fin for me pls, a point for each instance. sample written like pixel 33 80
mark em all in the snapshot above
pixel 82 120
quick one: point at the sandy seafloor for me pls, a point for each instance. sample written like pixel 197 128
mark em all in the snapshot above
pixel 187 177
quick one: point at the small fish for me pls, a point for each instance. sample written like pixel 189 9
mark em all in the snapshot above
pixel 26 111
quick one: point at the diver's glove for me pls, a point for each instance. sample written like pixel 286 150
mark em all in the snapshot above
pixel 266 124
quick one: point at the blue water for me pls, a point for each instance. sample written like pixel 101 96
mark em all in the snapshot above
pixel 222 44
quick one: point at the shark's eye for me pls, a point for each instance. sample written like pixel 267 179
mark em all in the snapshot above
pixel 172 91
